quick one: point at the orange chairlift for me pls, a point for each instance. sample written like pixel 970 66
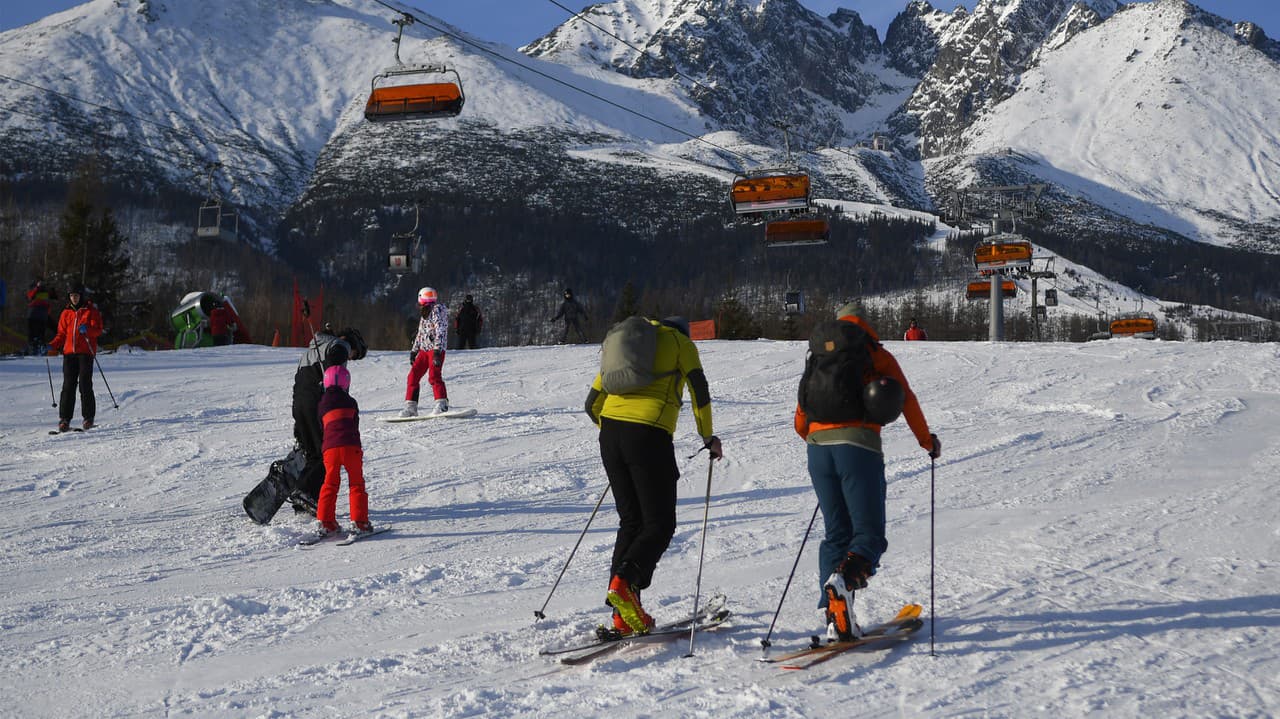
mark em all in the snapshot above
pixel 1002 251
pixel 413 92
pixel 770 191
pixel 1134 324
pixel 981 289
pixel 796 232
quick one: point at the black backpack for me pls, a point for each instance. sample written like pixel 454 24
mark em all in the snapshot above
pixel 838 365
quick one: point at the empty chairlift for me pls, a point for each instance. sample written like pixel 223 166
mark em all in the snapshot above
pixel 1134 324
pixel 770 191
pixel 981 289
pixel 1002 251
pixel 795 232
pixel 413 92
pixel 214 220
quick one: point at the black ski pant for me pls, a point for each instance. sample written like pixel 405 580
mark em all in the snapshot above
pixel 77 371
pixel 466 340
pixel 641 463
pixel 308 432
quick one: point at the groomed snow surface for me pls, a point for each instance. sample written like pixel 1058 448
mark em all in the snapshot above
pixel 1107 543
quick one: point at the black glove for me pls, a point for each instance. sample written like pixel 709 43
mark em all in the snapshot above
pixel 437 356
pixel 413 356
pixel 712 444
pixel 936 452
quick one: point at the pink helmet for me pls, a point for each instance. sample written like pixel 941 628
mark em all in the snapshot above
pixel 427 295
pixel 337 375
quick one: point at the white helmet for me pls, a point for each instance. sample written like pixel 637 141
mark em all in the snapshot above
pixel 427 295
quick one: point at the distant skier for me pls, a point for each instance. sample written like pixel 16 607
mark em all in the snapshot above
pixel 846 467
pixel 469 322
pixel 427 354
pixel 79 327
pixel 573 313
pixel 915 332
pixel 220 327
pixel 38 304
pixel 340 415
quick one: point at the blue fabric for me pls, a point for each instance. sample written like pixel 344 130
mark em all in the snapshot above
pixel 849 481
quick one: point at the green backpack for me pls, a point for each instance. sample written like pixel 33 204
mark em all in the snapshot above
pixel 628 355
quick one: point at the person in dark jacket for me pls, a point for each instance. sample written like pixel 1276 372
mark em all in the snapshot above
pixel 220 324
pixel 573 313
pixel 327 349
pixel 340 415
pixel 79 327
pixel 38 297
pixel 468 324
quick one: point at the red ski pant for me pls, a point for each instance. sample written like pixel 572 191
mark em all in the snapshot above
pixel 335 459
pixel 425 364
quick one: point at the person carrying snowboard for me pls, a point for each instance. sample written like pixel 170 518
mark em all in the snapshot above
pixel 468 323
pixel 327 349
pixel 79 327
pixel 427 354
pixel 846 467
pixel 636 428
pixel 340 415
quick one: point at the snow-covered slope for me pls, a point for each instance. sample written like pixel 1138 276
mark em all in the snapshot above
pixel 1158 115
pixel 1105 543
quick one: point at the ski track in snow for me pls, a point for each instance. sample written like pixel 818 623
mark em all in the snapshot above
pixel 1105 517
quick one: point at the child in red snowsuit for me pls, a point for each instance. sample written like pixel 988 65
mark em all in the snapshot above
pixel 340 416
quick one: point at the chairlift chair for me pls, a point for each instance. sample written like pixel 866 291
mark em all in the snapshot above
pixel 981 289
pixel 405 252
pixel 1051 298
pixel 770 191
pixel 420 100
pixel 1134 324
pixel 1002 251
pixel 793 303
pixel 797 232
pixel 212 223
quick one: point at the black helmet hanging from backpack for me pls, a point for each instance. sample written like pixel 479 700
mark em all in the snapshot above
pixel 882 398
pixel 353 337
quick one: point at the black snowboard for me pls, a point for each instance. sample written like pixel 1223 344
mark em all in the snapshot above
pixel 264 500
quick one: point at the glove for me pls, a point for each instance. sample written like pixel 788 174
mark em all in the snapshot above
pixel 437 356
pixel 53 352
pixel 413 356
pixel 712 444
pixel 937 447
pixel 84 329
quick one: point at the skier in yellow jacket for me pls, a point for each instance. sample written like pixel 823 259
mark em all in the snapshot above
pixel 636 446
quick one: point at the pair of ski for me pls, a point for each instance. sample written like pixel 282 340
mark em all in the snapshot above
pixel 709 616
pixel 349 539
pixel 901 627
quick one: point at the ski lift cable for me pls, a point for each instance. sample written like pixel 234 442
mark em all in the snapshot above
pixel 162 126
pixel 584 91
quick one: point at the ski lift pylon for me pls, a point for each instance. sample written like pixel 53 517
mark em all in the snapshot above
pixel 413 92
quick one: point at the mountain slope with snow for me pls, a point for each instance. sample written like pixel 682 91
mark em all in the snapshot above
pixel 1104 542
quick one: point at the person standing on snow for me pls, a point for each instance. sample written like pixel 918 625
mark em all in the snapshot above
pixel 327 349
pixel 573 313
pixel 846 466
pixel 37 315
pixel 79 327
pixel 636 447
pixel 915 332
pixel 340 415
pixel 468 323
pixel 427 354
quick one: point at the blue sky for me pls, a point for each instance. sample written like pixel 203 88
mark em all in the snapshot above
pixel 517 22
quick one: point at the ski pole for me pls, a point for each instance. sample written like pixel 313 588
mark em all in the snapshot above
pixel 104 381
pixel 538 614
pixel 932 464
pixel 765 643
pixel 49 368
pixel 702 551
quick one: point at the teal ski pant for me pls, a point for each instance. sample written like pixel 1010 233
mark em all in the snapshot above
pixel 850 485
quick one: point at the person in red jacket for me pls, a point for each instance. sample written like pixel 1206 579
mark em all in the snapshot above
pixel 846 467
pixel 340 415
pixel 37 315
pixel 79 327
pixel 220 324
pixel 915 332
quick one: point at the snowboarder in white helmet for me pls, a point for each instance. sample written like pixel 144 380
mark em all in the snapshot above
pixel 427 353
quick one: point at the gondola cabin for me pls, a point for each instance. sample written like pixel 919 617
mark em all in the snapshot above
pixel 792 233
pixel 440 97
pixel 1051 298
pixel 793 303
pixel 1139 325
pixel 981 289
pixel 213 223
pixel 1002 251
pixel 770 191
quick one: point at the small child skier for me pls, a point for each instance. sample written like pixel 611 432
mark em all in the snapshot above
pixel 427 354
pixel 340 417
